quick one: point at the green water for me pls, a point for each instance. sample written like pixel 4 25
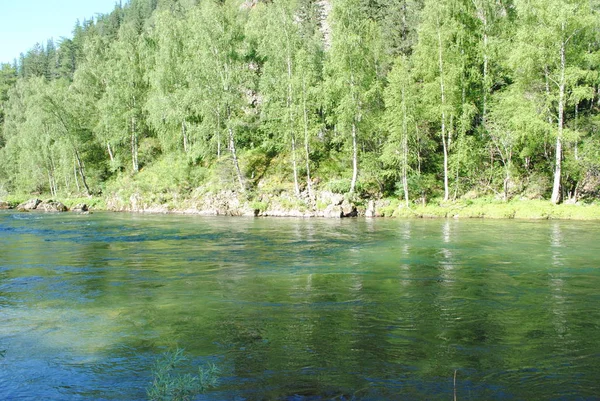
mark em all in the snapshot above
pixel 293 309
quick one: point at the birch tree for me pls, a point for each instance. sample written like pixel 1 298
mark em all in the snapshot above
pixel 438 59
pixel 551 49
pixel 352 69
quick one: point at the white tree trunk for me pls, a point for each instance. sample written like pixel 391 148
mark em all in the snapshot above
pixel 443 100
pixel 354 159
pixel 184 135
pixel 306 141
pixel 81 169
pixel 561 108
pixel 110 152
pixel 404 148
pixel 291 124
pixel 235 160
pixel 134 146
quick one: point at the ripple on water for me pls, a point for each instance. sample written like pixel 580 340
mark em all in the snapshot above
pixel 296 309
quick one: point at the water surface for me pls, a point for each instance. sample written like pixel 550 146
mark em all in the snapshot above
pixel 294 309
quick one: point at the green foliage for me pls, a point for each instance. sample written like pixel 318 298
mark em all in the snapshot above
pixel 339 186
pixel 417 99
pixel 168 384
pixel 259 205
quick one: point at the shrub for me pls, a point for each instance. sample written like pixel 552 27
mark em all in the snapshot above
pixel 259 205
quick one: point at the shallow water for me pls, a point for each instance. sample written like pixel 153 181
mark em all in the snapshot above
pixel 294 309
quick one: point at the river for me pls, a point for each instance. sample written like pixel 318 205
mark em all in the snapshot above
pixel 300 309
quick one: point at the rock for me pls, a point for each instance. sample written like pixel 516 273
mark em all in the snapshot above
pixel 331 211
pixel 134 201
pixel 81 208
pixel 351 213
pixel 370 212
pixel 52 206
pixel 31 204
pixel 4 205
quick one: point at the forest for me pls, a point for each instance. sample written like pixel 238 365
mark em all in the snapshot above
pixel 412 99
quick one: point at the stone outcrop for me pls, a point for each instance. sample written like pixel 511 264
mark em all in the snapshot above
pixel 235 203
pixel 4 205
pixel 52 206
pixel 80 208
pixel 42 206
pixel 370 212
pixel 28 206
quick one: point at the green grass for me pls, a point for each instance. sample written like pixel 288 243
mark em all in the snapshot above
pixel 14 200
pixel 493 209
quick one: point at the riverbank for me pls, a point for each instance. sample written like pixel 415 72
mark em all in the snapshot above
pixel 323 204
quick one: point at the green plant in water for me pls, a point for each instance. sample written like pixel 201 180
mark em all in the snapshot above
pixel 170 385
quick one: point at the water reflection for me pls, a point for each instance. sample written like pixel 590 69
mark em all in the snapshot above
pixel 311 309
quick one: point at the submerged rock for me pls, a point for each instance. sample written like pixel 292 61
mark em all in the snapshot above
pixel 31 204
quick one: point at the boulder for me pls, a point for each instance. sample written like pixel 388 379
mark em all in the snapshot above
pixel 370 212
pixel 81 208
pixel 31 204
pixel 352 213
pixel 4 205
pixel 52 206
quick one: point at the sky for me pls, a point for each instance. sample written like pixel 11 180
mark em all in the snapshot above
pixel 23 23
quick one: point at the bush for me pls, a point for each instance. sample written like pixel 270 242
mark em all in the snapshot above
pixel 259 205
pixel 339 186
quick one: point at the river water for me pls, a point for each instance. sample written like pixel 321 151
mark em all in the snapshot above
pixel 300 309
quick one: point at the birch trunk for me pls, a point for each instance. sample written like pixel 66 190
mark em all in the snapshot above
pixel 306 144
pixel 80 167
pixel 235 160
pixel 110 152
pixel 561 107
pixel 184 135
pixel 218 134
pixel 75 175
pixel 134 146
pixel 443 100
pixel 291 124
pixel 354 159
pixel 404 148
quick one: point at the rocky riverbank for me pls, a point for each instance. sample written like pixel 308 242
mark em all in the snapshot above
pixel 322 204
pixel 39 205
pixel 231 203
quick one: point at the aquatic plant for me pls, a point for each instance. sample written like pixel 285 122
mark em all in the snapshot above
pixel 168 384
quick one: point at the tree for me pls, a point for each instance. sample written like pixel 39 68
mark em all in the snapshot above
pixel 122 105
pixel 353 72
pixel 401 104
pixel 8 79
pixel 219 72
pixel 169 104
pixel 288 76
pixel 553 33
pixel 439 67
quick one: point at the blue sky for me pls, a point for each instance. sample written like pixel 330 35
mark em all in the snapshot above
pixel 23 23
